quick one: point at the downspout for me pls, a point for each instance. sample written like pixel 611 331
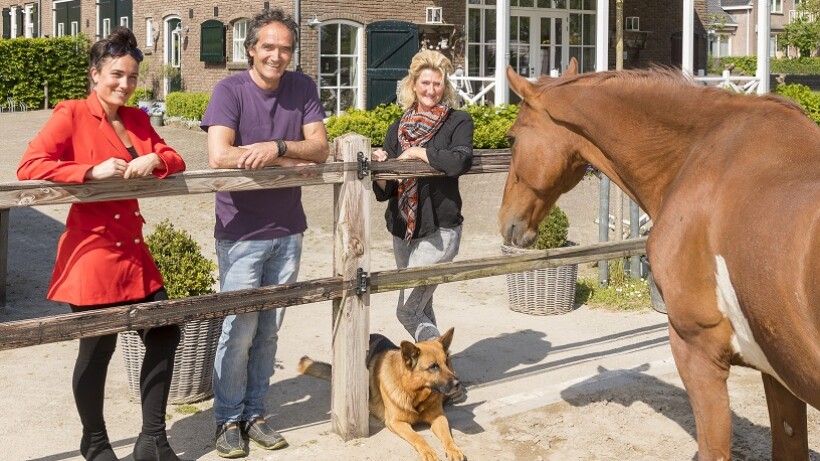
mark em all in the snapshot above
pixel 40 19
pixel 297 16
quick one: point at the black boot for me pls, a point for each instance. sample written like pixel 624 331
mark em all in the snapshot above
pixel 153 448
pixel 95 447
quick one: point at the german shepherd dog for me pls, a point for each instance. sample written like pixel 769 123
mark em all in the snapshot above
pixel 408 385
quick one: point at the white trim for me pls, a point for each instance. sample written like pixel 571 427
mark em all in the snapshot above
pixel 358 85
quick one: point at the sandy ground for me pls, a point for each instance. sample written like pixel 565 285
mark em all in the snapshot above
pixel 587 385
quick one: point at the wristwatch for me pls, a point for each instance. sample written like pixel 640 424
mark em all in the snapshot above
pixel 280 144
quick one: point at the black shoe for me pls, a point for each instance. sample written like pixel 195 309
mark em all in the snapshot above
pixel 259 431
pixel 153 448
pixel 229 443
pixel 95 447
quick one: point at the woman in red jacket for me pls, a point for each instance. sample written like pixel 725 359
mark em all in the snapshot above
pixel 102 260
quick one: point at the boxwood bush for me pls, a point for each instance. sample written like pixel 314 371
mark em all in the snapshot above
pixel 185 270
pixel 804 96
pixel 190 106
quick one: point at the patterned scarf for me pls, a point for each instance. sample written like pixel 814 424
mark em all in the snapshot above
pixel 415 130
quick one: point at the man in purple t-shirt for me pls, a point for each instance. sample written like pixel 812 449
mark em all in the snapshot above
pixel 262 117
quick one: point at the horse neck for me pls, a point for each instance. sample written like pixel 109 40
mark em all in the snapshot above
pixel 637 150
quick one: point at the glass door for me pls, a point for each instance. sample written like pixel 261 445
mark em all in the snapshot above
pixel 539 42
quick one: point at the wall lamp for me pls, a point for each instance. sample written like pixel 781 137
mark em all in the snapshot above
pixel 313 22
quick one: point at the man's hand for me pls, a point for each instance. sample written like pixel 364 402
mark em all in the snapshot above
pixel 258 155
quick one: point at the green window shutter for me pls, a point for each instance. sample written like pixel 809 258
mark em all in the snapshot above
pixel 20 22
pixel 6 22
pixel 212 44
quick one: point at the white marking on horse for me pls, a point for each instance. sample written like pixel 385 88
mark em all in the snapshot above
pixel 743 342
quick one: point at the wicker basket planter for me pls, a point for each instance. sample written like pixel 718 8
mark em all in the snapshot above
pixel 193 362
pixel 547 291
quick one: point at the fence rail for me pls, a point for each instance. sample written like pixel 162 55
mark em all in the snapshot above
pixel 352 180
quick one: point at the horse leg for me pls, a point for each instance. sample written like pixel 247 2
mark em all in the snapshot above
pixel 704 372
pixel 787 414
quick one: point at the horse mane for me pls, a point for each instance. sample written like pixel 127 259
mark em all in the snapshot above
pixel 665 77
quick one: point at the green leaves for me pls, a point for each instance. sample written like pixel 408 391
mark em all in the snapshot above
pixel 27 63
pixel 190 106
pixel 804 96
pixel 180 261
pixel 553 230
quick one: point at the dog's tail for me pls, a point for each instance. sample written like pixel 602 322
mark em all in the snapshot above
pixel 316 369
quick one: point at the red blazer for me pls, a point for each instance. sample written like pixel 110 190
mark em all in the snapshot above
pixel 101 257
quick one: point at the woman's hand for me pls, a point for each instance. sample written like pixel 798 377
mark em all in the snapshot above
pixel 142 166
pixel 414 153
pixel 111 168
pixel 379 155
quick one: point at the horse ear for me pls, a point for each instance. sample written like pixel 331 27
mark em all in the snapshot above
pixel 519 84
pixel 572 68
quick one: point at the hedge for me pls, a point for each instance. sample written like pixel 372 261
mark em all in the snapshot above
pixel 747 65
pixel 30 62
pixel 491 124
pixel 804 96
pixel 190 106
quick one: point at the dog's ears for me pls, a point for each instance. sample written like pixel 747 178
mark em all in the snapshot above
pixel 447 338
pixel 410 353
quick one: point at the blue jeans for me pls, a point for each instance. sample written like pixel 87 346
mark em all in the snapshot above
pixel 247 347
pixel 416 314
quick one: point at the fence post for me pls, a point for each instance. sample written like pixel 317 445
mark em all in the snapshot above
pixel 351 314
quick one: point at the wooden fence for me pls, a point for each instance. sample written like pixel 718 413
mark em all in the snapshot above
pixel 349 286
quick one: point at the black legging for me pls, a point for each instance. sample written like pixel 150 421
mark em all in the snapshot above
pixel 91 369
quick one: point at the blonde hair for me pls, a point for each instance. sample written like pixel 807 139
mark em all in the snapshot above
pixel 423 60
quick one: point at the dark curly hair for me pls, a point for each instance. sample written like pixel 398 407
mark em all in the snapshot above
pixel 262 19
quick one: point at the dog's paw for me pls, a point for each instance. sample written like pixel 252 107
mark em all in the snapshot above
pixel 455 454
pixel 427 454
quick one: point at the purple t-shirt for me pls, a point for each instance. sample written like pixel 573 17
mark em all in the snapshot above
pixel 257 115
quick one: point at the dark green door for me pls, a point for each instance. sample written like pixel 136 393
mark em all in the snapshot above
pixel 390 48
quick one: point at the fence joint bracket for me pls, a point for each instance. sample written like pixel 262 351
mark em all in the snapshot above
pixel 364 165
pixel 362 281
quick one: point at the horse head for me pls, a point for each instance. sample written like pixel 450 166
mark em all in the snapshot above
pixel 545 160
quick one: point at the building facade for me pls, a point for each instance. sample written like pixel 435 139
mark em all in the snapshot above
pixel 356 54
pixel 734 26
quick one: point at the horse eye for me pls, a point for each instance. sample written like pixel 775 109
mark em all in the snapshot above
pixel 510 139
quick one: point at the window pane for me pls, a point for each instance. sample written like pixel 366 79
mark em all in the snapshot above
pixel 330 38
pixel 345 70
pixel 328 101
pixel 524 31
pixel 473 60
pixel 590 5
pixel 589 29
pixel 527 3
pixel 349 43
pixel 575 29
pixel 474 25
pixel 489 26
pixel 347 99
pixel 329 65
pixel 575 4
pixel 562 4
pixel 588 63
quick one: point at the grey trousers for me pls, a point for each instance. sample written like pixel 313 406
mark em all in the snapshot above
pixel 416 313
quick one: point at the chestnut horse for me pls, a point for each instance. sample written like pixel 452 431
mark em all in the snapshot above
pixel 732 183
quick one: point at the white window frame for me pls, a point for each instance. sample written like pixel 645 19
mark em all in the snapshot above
pixel 13 25
pixel 777 6
pixel 60 29
pixel 28 20
pixel 357 85
pixel 106 27
pixel 75 28
pixel 632 23
pixel 239 53
pixel 124 21
pixel 149 32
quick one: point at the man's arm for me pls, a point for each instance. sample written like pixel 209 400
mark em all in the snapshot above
pixel 223 154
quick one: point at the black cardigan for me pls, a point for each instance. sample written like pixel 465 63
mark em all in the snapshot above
pixel 451 152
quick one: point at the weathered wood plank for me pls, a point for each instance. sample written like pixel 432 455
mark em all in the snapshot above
pixel 17 194
pixel 486 267
pixel 64 327
pixel 349 413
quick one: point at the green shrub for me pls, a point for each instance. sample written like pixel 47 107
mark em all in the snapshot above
pixel 28 63
pixel 491 124
pixel 553 230
pixel 190 106
pixel 180 261
pixel 747 65
pixel 803 96
pixel 372 124
pixel 140 94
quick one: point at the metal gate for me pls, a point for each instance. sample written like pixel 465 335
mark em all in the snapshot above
pixel 391 46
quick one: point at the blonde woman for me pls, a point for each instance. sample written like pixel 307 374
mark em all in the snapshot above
pixel 424 214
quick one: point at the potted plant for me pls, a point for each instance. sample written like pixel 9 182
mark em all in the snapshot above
pixel 186 272
pixel 155 110
pixel 546 291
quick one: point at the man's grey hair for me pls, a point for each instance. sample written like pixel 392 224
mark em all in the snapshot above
pixel 262 19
